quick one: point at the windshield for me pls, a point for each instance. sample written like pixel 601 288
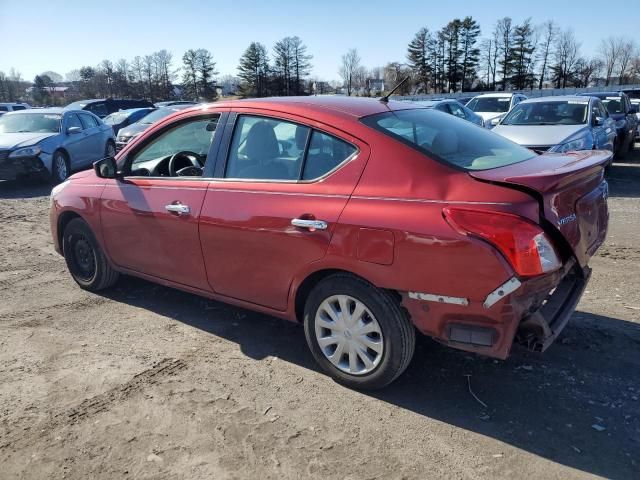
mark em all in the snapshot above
pixel 450 139
pixel 30 122
pixel 490 104
pixel 156 115
pixel 115 118
pixel 571 112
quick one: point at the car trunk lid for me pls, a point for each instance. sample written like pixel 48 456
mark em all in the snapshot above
pixel 572 192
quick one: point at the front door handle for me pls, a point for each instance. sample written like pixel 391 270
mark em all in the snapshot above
pixel 310 224
pixel 178 208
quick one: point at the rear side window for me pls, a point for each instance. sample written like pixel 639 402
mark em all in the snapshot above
pixel 325 154
pixel 19 107
pixel 3 108
pixel 449 139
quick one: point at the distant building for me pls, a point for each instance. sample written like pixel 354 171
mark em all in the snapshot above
pixel 375 85
pixel 54 92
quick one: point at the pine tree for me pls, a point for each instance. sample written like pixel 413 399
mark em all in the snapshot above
pixel 469 33
pixel 522 49
pixel 254 70
pixel 418 56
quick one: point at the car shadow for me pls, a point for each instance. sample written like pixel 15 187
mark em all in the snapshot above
pixel 544 404
pixel 24 188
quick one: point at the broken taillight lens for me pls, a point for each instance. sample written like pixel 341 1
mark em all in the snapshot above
pixel 523 243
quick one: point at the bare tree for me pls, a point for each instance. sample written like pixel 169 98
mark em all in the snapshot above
pixel 349 68
pixel 549 32
pixel 609 51
pixel 504 28
pixel 567 53
pixel 628 49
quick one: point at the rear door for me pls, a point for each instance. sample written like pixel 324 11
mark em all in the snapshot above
pixel 279 190
pixel 150 219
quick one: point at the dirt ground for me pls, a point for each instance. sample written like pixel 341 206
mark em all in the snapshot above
pixel 149 382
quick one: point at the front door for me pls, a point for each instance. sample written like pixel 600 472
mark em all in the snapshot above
pixel 275 207
pixel 150 218
pixel 75 143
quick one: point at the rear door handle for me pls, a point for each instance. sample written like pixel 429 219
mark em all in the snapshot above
pixel 310 224
pixel 178 208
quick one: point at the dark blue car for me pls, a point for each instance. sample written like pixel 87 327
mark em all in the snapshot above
pixel 124 118
pixel 624 114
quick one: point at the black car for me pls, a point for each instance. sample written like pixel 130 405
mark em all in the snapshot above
pixel 124 118
pixel 105 106
pixel 624 114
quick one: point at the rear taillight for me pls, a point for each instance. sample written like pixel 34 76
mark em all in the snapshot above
pixel 522 242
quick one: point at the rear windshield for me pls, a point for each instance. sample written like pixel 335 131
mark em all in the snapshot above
pixel 449 139
pixel 613 104
pixel 570 112
pixel 490 104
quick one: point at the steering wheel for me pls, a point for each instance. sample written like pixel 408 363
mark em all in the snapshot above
pixel 188 171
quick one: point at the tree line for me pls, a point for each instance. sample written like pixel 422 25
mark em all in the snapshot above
pixel 454 58
pixel 514 56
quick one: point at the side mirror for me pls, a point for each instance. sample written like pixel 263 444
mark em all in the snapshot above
pixel 106 168
pixel 73 130
pixel 598 121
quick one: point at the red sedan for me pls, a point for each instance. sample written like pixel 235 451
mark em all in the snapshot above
pixel 361 219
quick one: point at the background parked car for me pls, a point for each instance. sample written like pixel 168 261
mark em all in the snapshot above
pixel 453 107
pixel 124 118
pixel 624 114
pixel 104 106
pixel 492 106
pixel 13 107
pixel 559 124
pixel 127 133
pixel 635 102
pixel 464 100
pixel 51 142
pixel 175 102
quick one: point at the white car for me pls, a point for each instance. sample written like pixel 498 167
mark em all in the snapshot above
pixel 493 106
pixel 13 107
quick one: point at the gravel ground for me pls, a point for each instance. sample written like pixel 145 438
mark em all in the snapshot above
pixel 148 382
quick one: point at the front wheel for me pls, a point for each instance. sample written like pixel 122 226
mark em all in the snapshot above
pixel 85 260
pixel 358 333
pixel 60 167
pixel 110 149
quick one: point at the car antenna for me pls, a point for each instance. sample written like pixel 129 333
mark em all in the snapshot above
pixel 385 99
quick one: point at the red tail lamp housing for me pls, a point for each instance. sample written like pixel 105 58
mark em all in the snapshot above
pixel 523 243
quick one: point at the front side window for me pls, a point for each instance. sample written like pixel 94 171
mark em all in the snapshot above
pixel 193 136
pixel 73 121
pixel 19 107
pixel 449 139
pixel 266 148
pixel 572 112
pixel 88 121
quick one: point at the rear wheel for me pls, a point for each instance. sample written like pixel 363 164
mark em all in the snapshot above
pixel 357 333
pixel 86 261
pixel 60 168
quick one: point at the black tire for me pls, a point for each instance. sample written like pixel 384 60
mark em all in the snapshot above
pixel 85 260
pixel 398 333
pixel 57 176
pixel 110 149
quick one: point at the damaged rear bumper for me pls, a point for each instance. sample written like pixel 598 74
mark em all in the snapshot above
pixel 540 329
pixel 531 312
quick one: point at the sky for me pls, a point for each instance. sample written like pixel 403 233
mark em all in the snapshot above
pixel 38 36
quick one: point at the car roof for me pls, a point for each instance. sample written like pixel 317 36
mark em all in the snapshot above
pixel 597 94
pixel 338 105
pixel 132 110
pixel 558 98
pixel 40 110
pixel 497 94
